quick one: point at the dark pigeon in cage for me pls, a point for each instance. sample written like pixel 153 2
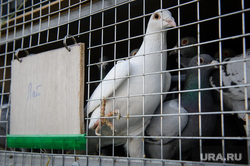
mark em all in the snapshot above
pixel 187 125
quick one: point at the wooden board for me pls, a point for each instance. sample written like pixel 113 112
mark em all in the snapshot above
pixel 47 92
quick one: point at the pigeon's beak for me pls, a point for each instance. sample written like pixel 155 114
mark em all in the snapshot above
pixel 170 22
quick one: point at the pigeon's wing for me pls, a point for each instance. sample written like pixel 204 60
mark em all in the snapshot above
pixel 170 124
pixel 167 84
pixel 115 77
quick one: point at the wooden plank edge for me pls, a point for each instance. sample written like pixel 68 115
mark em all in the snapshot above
pixel 81 95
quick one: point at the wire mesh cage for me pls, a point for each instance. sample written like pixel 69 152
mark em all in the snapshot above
pixel 166 81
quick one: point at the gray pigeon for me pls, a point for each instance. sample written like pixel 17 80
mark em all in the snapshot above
pixel 189 124
pixel 130 82
pixel 233 75
pixel 189 52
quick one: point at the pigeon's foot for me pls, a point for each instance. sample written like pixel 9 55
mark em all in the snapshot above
pixel 102 121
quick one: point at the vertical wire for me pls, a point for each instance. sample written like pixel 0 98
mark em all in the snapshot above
pixel 179 79
pixel 58 34
pixel 161 79
pixel 199 78
pixel 143 118
pixel 39 34
pixel 102 39
pixel 32 16
pixel 79 20
pixel 113 132
pixel 23 27
pixel 89 54
pixel 113 120
pixel 143 77
pixel 14 41
pixel 6 50
pixel 59 20
pixel 14 45
pixel 40 20
pixel 128 83
pixel 68 30
pixel 221 84
pixel 31 25
pixel 245 77
pixel 68 17
pixel 244 54
pixel 3 87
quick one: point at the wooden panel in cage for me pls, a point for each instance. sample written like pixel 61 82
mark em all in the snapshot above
pixel 47 92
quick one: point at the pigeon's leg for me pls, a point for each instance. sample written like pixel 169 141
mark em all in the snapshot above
pixel 108 123
pixel 102 120
pixel 105 120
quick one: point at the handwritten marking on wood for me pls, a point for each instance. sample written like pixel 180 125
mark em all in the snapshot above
pixel 47 91
pixel 32 93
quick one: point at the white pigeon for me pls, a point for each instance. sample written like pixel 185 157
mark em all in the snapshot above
pixel 132 87
pixel 233 75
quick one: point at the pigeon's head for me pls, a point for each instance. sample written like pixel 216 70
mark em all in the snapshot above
pixel 188 40
pixel 193 74
pixel 204 59
pixel 160 19
pixel 226 53
pixel 186 52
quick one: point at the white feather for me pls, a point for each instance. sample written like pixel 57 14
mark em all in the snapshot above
pixel 170 124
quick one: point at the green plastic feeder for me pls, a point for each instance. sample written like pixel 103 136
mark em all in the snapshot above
pixel 66 142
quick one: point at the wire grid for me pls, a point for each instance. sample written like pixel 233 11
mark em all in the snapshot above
pixel 111 30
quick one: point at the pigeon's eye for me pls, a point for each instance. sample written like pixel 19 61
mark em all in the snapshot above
pixel 134 53
pixel 201 60
pixel 157 16
pixel 184 42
